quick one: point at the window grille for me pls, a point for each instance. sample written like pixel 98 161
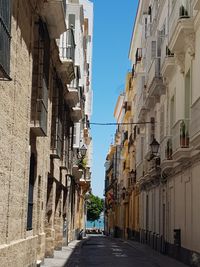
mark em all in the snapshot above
pixel 40 79
pixel 56 125
pixel 31 191
pixel 5 25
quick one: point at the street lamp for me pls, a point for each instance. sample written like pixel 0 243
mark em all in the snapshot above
pixel 83 151
pixel 154 147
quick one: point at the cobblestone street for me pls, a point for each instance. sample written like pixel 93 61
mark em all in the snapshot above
pixel 104 251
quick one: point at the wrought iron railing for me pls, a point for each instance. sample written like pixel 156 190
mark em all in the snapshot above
pixel 154 71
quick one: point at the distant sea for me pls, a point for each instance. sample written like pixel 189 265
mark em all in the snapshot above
pixel 96 224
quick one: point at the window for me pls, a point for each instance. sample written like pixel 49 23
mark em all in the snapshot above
pixel 30 192
pixel 153 49
pixel 40 79
pixel 57 118
pixel 5 25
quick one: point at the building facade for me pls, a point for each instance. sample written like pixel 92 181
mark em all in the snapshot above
pixel 164 53
pixel 43 66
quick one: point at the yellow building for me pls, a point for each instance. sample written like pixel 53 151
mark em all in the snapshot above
pixel 123 215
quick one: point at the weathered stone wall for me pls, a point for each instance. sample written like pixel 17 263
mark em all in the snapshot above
pixel 19 247
pixel 15 248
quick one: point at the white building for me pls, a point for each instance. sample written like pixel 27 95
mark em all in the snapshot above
pixel 165 55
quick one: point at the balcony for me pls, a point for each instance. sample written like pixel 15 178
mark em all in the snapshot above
pixel 72 93
pixel 197 5
pixel 67 56
pixel 155 86
pixel 76 114
pixel 151 168
pixel 181 27
pixel 77 172
pixel 139 172
pixel 195 125
pixel 78 167
pixel 39 111
pixel 71 96
pixel 181 141
pixel 167 60
pixel 125 139
pixel 142 109
pixel 54 13
pixel 166 155
pixel 138 60
pixel 127 108
pixel 131 143
pixel 138 55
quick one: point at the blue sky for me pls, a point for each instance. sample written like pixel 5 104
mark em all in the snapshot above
pixel 113 24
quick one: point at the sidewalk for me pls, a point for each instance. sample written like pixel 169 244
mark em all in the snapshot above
pixel 61 257
pixel 158 258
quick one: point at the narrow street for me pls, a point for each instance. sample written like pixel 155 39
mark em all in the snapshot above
pixel 104 251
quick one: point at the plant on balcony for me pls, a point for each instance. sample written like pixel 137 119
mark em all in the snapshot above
pixel 168 52
pixel 187 140
pixel 82 163
pixel 184 135
pixel 169 150
pixel 183 13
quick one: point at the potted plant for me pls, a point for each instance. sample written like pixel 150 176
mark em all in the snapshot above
pixel 182 134
pixel 183 13
pixel 82 164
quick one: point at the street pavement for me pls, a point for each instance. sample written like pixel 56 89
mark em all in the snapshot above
pixel 108 252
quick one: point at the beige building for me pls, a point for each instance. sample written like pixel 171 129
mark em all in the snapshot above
pixel 43 177
pixel 164 52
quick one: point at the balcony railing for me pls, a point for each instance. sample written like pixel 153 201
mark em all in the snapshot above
pixel 166 148
pixel 154 71
pixel 133 71
pixel 139 171
pixel 125 138
pixel 181 135
pixel 138 55
pixel 181 9
pixel 149 30
pixel 141 108
pixel 165 51
pixel 127 106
